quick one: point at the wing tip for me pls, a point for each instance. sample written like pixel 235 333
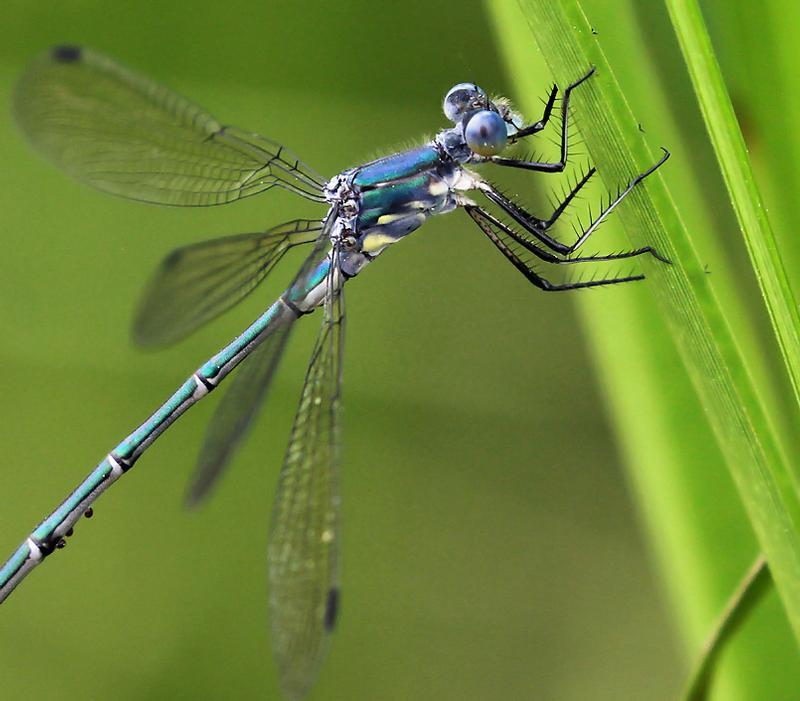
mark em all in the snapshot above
pixel 148 337
pixel 194 497
pixel 331 609
pixel 66 53
pixel 199 486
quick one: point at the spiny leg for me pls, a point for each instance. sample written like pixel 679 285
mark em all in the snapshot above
pixel 547 167
pixel 537 227
pixel 542 123
pixel 544 254
pixel 534 226
pixel 621 195
pixel 486 221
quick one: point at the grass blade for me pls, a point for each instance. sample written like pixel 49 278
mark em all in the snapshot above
pixel 700 323
pixel 747 596
pixel 726 137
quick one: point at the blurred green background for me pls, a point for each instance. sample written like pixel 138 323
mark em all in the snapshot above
pixel 491 550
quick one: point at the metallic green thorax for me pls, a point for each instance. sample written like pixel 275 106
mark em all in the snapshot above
pixel 397 194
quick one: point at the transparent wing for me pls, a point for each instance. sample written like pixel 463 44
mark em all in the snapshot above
pixel 124 134
pixel 236 412
pixel 244 397
pixel 196 283
pixel 303 546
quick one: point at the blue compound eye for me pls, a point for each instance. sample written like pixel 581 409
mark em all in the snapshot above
pixel 461 99
pixel 486 133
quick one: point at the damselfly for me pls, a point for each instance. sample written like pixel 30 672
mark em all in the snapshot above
pixel 124 134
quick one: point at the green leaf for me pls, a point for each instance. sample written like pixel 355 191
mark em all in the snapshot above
pixel 720 359
pixel 731 152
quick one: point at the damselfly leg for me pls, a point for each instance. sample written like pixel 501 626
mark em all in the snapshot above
pixel 538 227
pixel 541 167
pixel 504 237
pixel 542 123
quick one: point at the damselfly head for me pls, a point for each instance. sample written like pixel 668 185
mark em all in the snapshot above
pixel 486 123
